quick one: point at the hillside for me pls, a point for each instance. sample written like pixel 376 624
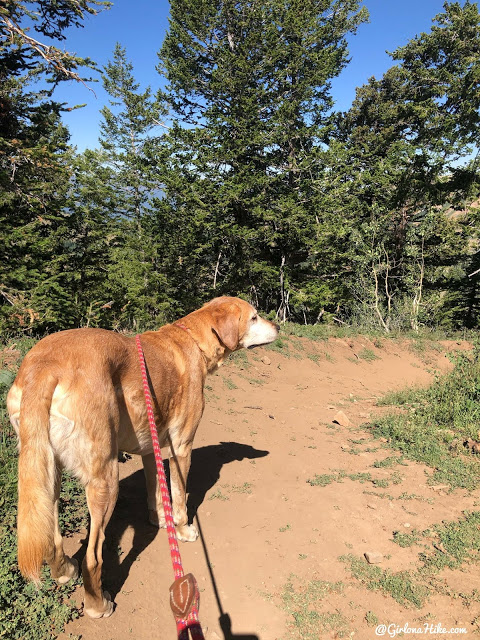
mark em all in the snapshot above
pixel 289 500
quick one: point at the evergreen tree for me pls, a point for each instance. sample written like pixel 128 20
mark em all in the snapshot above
pixel 136 277
pixel 250 85
pixel 88 236
pixel 34 161
pixel 401 137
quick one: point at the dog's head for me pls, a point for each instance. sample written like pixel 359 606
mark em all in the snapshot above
pixel 237 324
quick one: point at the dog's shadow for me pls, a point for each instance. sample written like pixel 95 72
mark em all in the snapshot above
pixel 131 508
pixel 207 463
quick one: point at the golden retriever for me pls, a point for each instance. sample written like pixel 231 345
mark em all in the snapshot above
pixel 78 399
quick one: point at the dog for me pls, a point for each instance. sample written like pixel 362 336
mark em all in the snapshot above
pixel 78 400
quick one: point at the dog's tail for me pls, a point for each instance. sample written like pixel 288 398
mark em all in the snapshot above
pixel 36 478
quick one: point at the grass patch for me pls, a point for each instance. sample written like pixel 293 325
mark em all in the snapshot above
pixel 406 539
pixel 400 586
pixel 246 487
pixel 229 383
pixel 371 619
pixel 280 345
pixel 400 398
pixel 218 495
pixel 447 545
pixel 389 462
pixel 458 542
pixel 448 411
pixel 304 603
pixel 367 354
pixel 324 479
pixel 423 348
pixel 240 358
pixel 314 357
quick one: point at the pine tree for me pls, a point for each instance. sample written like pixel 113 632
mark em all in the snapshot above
pixel 250 86
pixel 88 236
pixel 136 277
pixel 34 161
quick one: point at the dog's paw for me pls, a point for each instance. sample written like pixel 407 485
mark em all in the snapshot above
pixel 155 520
pixel 103 612
pixel 71 571
pixel 187 533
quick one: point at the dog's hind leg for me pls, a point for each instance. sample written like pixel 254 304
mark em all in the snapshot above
pixel 102 492
pixel 62 567
pixel 156 513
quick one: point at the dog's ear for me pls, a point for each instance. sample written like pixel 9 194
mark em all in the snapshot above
pixel 226 324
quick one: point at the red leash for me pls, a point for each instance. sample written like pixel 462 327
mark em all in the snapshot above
pixel 184 595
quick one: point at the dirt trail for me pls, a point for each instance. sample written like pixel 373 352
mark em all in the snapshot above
pixel 268 428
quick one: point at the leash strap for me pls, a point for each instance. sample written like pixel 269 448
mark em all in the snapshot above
pixel 184 596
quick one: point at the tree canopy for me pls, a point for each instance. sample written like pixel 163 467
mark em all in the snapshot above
pixel 239 177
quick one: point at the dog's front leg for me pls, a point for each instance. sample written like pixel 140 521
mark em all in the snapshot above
pixel 156 514
pixel 179 468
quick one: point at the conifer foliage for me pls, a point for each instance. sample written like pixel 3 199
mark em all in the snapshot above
pixel 238 176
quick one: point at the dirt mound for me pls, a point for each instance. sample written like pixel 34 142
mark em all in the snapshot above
pixel 287 493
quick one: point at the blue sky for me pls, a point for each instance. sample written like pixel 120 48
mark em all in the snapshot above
pixel 140 26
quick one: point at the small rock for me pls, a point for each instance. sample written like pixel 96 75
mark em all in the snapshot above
pixel 407 525
pixel 440 487
pixel 266 360
pixel 371 505
pixel 341 419
pixel 373 557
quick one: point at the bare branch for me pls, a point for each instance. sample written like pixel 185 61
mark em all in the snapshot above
pixel 51 55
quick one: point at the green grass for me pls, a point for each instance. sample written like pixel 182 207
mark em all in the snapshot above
pixel 240 358
pixel 246 487
pixel 401 398
pixel 406 539
pixel 390 461
pixel 371 619
pixel 368 354
pixel 448 411
pixel 459 543
pixel 229 383
pixel 427 337
pixel 280 345
pixel 303 602
pixel 449 545
pixel 25 611
pixel 401 586
pixel 218 495
pixel 324 479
